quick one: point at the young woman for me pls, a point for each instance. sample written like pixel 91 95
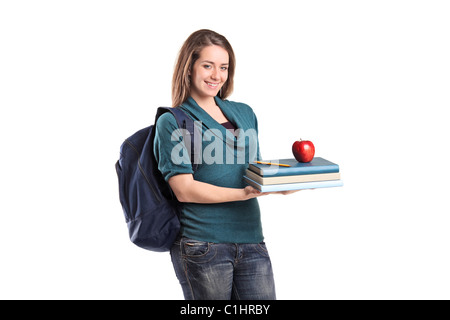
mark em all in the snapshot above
pixel 220 253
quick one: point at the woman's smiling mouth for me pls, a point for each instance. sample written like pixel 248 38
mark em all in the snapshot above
pixel 211 84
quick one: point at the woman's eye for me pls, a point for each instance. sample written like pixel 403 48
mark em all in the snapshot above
pixel 224 68
pixel 207 66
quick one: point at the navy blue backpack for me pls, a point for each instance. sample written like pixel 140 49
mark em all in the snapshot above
pixel 150 207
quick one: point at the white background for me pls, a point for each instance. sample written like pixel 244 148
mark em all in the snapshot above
pixel 367 81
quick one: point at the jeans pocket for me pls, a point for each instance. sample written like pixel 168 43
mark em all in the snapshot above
pixel 262 249
pixel 196 249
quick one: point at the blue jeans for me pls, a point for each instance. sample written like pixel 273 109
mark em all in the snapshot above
pixel 223 271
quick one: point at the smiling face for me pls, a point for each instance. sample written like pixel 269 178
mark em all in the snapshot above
pixel 209 73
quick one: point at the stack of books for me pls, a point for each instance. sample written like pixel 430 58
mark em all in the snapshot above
pixel 289 174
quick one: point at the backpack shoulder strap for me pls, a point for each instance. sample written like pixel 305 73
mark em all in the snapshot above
pixel 184 122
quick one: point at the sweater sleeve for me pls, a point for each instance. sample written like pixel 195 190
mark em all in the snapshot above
pixel 169 149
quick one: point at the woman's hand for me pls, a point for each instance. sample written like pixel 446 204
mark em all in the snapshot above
pixel 286 192
pixel 251 193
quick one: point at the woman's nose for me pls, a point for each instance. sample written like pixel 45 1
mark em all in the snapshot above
pixel 215 74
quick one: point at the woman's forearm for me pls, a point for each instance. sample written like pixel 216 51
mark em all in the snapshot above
pixel 187 189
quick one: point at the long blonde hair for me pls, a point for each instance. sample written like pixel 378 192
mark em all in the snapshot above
pixel 189 53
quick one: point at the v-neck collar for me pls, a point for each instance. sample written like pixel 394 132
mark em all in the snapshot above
pixel 199 114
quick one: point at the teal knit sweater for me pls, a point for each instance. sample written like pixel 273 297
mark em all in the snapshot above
pixel 223 163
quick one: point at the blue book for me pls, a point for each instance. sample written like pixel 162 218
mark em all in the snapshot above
pixel 317 165
pixel 293 186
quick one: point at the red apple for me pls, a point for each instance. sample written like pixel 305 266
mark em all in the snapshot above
pixel 303 150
